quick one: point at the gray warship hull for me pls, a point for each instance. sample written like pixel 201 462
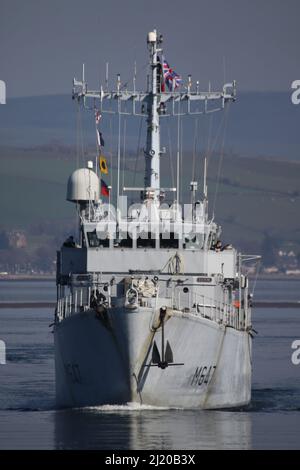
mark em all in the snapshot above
pixel 108 361
pixel 151 307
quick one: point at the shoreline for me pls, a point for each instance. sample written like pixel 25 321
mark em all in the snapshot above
pixel 51 277
pixel 27 277
pixel 276 277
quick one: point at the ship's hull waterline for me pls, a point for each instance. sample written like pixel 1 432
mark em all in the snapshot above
pixel 108 360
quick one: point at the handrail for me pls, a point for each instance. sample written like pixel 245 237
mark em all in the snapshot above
pixel 201 305
pixel 219 311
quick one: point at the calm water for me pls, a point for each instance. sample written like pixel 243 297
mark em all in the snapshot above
pixel 28 418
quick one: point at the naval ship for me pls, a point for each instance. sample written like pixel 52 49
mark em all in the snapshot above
pixel 151 308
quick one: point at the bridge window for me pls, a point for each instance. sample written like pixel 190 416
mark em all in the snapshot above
pixel 169 242
pixel 125 241
pixel 95 242
pixel 145 241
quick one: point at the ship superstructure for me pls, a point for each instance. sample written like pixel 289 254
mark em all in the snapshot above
pixel 151 307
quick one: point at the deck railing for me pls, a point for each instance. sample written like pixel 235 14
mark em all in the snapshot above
pixel 73 303
pixel 198 305
pixel 219 312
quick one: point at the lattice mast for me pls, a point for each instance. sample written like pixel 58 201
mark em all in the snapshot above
pixel 155 104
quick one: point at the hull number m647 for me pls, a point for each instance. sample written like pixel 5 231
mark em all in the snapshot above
pixel 202 375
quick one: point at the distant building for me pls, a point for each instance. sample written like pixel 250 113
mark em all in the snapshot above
pixel 292 272
pixel 271 270
pixel 17 239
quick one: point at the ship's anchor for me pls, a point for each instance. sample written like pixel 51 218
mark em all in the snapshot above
pixel 165 359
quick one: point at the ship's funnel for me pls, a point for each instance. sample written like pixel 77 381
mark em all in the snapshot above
pixel 83 186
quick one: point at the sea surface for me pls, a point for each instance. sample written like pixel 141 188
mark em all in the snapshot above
pixel 30 420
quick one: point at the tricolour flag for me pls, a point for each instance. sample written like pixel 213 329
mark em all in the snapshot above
pixel 104 188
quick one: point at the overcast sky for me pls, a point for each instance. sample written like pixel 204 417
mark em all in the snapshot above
pixel 44 42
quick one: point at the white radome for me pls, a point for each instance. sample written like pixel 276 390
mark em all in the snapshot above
pixel 152 36
pixel 83 185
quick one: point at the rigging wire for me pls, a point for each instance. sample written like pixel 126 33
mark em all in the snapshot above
pixel 111 154
pixel 97 145
pixel 137 150
pixel 216 138
pixel 220 160
pixel 123 155
pixel 206 154
pixel 170 154
pixel 81 147
pixel 141 69
pixel 119 160
pixel 181 159
pixel 77 135
pixel 80 137
pixel 258 267
pixel 209 135
pixel 178 154
pixel 196 128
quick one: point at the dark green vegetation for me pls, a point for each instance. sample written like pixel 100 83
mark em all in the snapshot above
pixel 33 187
pixel 257 201
pixel 254 199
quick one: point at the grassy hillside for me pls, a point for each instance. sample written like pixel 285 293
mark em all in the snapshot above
pixel 33 187
pixel 259 197
pixel 256 196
